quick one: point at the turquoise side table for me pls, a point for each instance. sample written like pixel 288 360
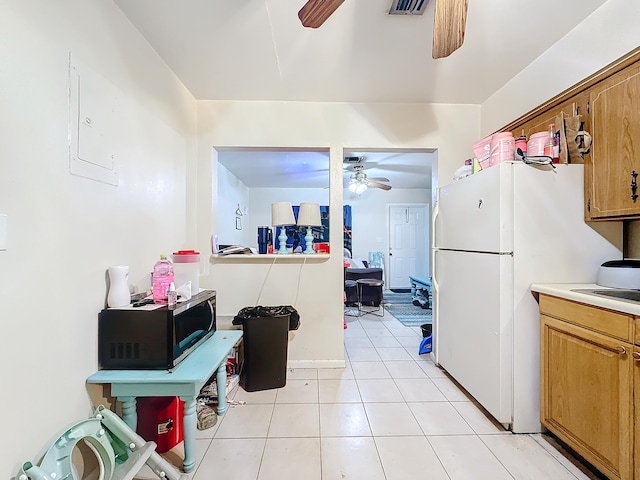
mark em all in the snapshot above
pixel 185 381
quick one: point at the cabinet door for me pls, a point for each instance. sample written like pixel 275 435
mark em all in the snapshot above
pixel 587 394
pixel 615 152
pixel 636 410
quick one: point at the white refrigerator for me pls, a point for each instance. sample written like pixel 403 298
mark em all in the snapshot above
pixel 495 233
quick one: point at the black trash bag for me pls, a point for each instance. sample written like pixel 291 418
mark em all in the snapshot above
pixel 260 311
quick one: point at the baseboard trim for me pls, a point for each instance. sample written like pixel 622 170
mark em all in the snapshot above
pixel 316 364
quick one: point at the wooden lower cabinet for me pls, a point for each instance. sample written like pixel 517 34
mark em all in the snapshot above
pixel 587 381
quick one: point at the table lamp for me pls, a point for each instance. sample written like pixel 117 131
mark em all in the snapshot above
pixel 309 216
pixel 282 216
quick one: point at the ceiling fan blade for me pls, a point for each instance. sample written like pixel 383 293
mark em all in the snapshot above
pixel 379 179
pixel 448 26
pixel 374 184
pixel 315 12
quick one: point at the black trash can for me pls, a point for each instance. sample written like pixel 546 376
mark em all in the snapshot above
pixel 426 329
pixel 265 342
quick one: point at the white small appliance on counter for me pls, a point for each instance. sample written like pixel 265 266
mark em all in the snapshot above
pixel 620 274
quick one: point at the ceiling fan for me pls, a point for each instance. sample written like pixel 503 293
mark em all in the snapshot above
pixel 448 23
pixel 359 182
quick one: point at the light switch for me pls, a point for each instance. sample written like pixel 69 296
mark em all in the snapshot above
pixel 4 220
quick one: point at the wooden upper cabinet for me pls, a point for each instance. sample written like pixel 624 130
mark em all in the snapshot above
pixel 614 163
pixel 608 103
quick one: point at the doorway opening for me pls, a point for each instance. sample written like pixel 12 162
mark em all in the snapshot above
pixel 409 174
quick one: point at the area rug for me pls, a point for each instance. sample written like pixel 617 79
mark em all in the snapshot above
pixel 401 307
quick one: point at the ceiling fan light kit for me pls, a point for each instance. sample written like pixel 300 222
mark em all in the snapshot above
pixel 357 187
pixel 359 182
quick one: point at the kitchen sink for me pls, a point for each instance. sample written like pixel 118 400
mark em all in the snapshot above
pixel 629 295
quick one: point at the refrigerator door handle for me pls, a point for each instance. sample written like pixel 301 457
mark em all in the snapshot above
pixel 435 310
pixel 434 218
pixel 436 213
pixel 435 289
pixel 434 276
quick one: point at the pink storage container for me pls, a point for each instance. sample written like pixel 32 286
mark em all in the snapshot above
pixel 536 144
pixel 502 148
pixel 482 151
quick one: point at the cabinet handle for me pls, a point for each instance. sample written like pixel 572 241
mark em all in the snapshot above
pixel 636 356
pixel 622 350
pixel 634 185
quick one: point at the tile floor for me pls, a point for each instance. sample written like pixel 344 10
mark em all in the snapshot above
pixel 391 414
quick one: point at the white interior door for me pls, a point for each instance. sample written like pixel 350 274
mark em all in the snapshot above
pixel 408 243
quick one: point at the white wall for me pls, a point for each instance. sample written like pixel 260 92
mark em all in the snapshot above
pixel 231 194
pixel 607 34
pixel 65 230
pixel 451 129
pixel 370 214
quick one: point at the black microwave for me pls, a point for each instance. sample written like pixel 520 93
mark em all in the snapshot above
pixel 158 339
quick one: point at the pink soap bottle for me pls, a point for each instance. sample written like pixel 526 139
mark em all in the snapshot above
pixel 162 279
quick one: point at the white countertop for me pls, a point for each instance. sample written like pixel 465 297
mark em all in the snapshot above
pixel 566 290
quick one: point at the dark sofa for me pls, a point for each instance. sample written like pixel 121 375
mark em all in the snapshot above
pixel 370 295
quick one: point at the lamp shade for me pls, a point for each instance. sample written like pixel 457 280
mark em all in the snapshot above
pixel 309 215
pixel 282 214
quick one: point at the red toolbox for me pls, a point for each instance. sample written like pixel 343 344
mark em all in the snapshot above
pixel 160 420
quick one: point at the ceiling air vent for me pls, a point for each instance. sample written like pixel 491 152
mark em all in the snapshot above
pixel 408 7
